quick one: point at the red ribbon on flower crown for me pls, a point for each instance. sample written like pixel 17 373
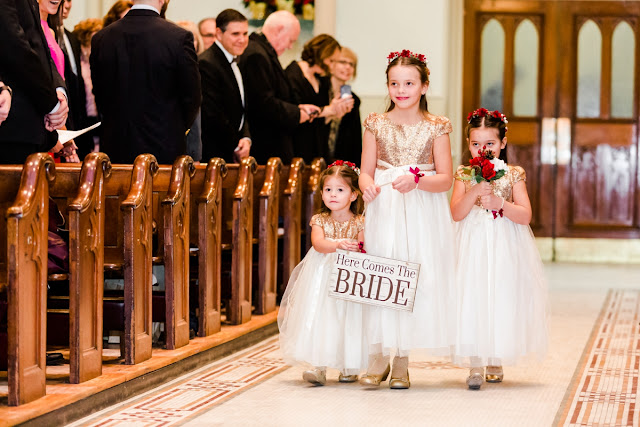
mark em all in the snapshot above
pixel 416 172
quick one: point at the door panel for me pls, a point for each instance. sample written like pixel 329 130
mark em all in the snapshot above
pixel 577 140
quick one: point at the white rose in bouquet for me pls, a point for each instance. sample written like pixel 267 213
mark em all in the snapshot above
pixel 498 164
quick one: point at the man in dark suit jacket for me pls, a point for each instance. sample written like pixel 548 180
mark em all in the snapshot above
pixel 39 103
pixel 146 83
pixel 272 115
pixel 225 132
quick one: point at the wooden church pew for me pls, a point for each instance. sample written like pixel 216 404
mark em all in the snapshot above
pixel 206 234
pixel 265 228
pixel 291 181
pixel 312 177
pixel 24 193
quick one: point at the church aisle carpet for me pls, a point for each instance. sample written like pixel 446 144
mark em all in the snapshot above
pixel 589 377
pixel 605 392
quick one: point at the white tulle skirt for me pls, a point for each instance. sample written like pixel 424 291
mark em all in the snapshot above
pixel 416 227
pixel 502 292
pixel 316 329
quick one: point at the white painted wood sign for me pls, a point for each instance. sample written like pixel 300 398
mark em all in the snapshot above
pixel 369 279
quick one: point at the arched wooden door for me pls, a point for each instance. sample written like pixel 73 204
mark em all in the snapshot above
pixel 564 72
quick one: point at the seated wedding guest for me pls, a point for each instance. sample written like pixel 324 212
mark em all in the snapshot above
pixel 117 11
pixel 51 22
pixel 310 85
pixel 194 137
pixel 5 101
pixel 84 31
pixel 207 30
pixel 38 104
pixel 345 134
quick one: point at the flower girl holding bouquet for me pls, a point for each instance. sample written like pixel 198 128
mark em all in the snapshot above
pixel 317 329
pixel 501 310
pixel 406 172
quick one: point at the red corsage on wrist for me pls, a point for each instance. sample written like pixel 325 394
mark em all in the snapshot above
pixel 361 247
pixel 416 172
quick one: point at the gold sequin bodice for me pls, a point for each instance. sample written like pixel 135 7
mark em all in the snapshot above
pixel 502 187
pixel 339 230
pixel 401 145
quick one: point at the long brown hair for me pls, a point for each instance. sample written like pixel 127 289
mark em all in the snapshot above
pixel 424 77
pixel 350 177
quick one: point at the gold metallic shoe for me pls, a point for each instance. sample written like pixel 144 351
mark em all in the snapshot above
pixel 344 378
pixel 494 374
pixel 377 372
pixel 315 376
pixel 475 378
pixel 400 374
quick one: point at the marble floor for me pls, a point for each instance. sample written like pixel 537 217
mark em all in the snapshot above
pixel 589 377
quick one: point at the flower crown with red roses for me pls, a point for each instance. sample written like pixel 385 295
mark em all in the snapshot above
pixel 406 54
pixel 350 165
pixel 483 112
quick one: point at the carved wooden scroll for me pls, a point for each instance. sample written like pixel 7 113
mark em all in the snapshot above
pixel 242 257
pixel 209 238
pixel 176 219
pixel 137 213
pixel 27 223
pixel 86 268
pixel 269 199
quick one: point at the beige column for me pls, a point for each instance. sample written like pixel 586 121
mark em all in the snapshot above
pixel 325 19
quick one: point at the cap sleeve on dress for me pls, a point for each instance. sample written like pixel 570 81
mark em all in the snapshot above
pixel 519 174
pixel 360 223
pixel 317 219
pixel 371 122
pixel 460 173
pixel 444 126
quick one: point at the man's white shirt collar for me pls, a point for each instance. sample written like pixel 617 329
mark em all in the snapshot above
pixel 145 6
pixel 227 54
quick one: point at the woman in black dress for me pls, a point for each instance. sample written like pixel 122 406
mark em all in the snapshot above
pixel 310 84
pixel 345 134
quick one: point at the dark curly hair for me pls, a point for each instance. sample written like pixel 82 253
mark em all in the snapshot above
pixel 351 178
pixel 319 48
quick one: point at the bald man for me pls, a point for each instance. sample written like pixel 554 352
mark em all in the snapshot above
pixel 271 112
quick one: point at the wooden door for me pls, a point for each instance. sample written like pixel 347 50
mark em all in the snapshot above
pixel 570 127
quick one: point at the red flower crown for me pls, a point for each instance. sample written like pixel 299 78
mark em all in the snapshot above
pixel 483 112
pixel 406 54
pixel 350 165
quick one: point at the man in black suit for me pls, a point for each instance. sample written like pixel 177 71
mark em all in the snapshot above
pixel 39 103
pixel 146 83
pixel 271 113
pixel 225 132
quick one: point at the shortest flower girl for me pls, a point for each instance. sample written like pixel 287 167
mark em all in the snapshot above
pixel 501 309
pixel 314 328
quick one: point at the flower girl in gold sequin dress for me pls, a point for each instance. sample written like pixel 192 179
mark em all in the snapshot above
pixel 314 328
pixel 406 172
pixel 500 278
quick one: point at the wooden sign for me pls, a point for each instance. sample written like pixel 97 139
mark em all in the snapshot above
pixel 369 279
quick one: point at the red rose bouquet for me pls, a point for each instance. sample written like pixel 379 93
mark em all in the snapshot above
pixel 485 167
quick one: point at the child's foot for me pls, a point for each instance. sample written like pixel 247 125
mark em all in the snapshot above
pixel 315 376
pixel 494 374
pixel 400 373
pixel 377 371
pixel 344 378
pixel 475 378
